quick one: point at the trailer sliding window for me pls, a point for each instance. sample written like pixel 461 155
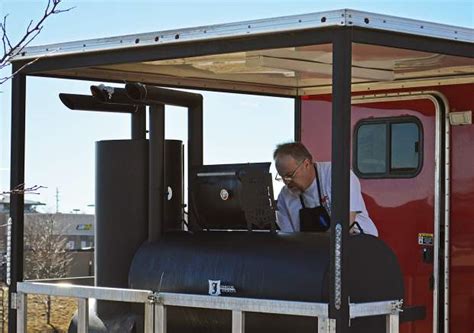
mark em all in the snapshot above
pixel 388 147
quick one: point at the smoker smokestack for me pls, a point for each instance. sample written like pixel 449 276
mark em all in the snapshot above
pixel 156 95
pixel 107 94
pixel 89 103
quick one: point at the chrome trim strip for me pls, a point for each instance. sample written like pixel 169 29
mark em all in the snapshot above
pixel 341 17
pixel 217 31
pixel 409 26
pixel 447 210
pixel 430 95
pixel 215 174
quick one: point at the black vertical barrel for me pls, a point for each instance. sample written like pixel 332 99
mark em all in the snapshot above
pixel 121 213
pixel 174 198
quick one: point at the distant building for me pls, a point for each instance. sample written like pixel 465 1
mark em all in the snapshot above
pixel 78 228
pixel 30 205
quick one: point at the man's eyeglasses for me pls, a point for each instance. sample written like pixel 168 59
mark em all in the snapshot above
pixel 289 177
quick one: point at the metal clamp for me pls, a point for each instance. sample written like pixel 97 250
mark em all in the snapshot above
pixel 154 298
pixel 397 306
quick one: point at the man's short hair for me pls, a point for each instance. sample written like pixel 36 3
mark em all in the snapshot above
pixel 295 149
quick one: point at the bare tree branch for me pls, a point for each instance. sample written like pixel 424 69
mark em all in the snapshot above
pixel 46 254
pixel 5 39
pixel 21 189
pixel 6 78
pixel 12 50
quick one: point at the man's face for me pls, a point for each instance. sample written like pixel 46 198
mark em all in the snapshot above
pixel 296 175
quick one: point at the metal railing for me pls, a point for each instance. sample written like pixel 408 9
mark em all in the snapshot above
pixel 156 304
pixel 82 293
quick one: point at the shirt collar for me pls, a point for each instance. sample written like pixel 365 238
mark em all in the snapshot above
pixel 311 189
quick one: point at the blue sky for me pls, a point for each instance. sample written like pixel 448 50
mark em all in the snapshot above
pixel 60 143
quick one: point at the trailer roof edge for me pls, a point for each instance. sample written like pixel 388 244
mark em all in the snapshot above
pixel 342 17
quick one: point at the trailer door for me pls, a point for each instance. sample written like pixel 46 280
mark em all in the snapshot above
pixel 394 154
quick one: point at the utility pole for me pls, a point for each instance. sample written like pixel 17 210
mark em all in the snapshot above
pixel 57 200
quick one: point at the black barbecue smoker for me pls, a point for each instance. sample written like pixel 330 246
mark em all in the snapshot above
pixel 211 270
pixel 230 246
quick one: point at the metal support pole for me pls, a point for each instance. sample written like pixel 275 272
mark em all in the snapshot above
pixel 195 146
pixel 195 136
pixel 156 171
pixel 160 318
pixel 21 312
pixel 238 322
pixel 17 177
pixel 148 320
pixel 154 95
pixel 297 119
pixel 139 123
pixel 341 138
pixel 83 315
pixel 326 325
pixel 392 323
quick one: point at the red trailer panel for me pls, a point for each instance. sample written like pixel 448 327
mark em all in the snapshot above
pixel 404 208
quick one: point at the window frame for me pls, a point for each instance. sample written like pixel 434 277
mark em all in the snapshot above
pixel 387 121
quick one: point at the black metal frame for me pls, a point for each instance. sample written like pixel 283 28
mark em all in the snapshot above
pixel 388 121
pixel 17 177
pixel 341 38
pixel 340 176
pixel 156 171
pixel 297 130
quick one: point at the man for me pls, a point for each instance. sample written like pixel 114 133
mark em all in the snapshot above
pixel 304 204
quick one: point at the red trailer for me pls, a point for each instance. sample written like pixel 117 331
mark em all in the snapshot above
pixel 393 95
pixel 422 203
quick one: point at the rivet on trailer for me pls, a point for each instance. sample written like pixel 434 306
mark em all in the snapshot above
pixel 392 97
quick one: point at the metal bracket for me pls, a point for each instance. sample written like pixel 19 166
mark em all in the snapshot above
pixel 326 325
pixel 14 303
pixel 154 298
pixel 397 306
pixel 108 90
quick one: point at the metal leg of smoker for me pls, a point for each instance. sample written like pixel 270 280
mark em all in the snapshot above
pixel 83 315
pixel 148 318
pixel 160 318
pixel 326 325
pixel 21 309
pixel 392 323
pixel 238 322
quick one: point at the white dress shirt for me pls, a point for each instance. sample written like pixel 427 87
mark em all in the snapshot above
pixel 289 203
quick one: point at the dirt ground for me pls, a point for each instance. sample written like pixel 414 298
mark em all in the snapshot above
pixel 62 310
